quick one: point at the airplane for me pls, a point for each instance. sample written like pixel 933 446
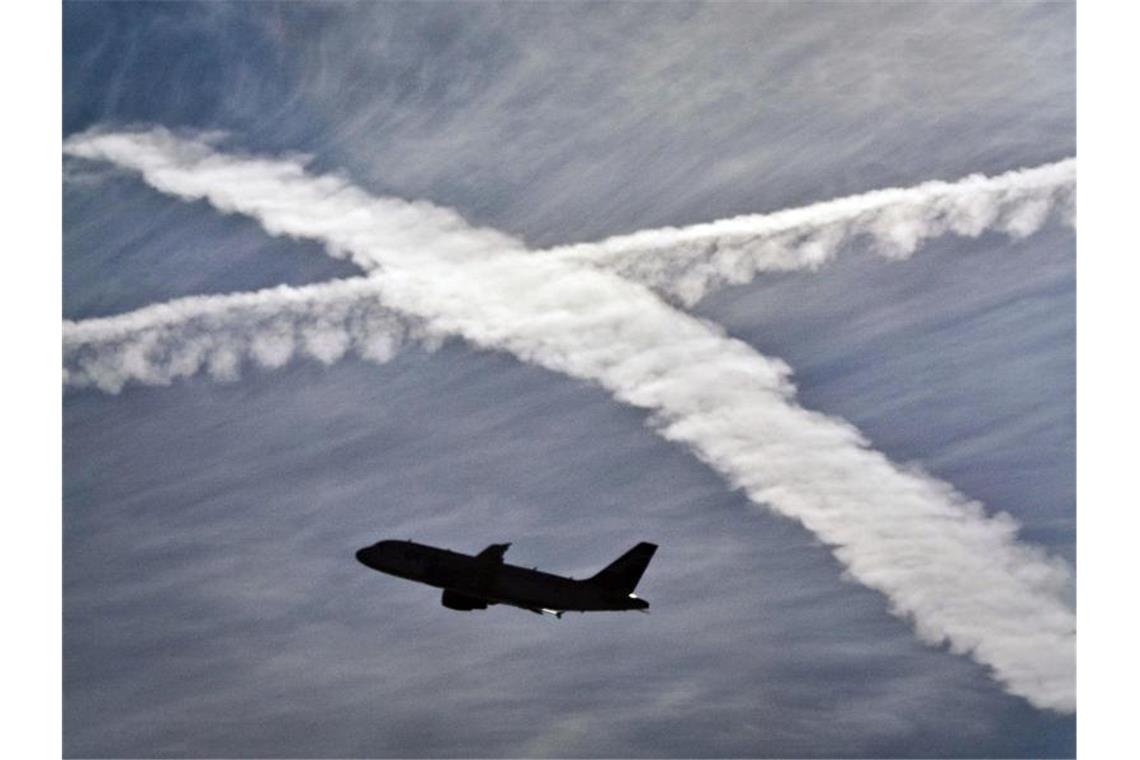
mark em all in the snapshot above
pixel 476 582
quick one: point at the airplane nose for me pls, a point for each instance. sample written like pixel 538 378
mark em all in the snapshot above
pixel 362 555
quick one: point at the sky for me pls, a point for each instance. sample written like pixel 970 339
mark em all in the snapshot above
pixel 211 602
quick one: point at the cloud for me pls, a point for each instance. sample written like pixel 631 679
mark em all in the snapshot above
pixel 689 262
pixel 670 114
pixel 958 574
pixel 353 225
pixel 217 334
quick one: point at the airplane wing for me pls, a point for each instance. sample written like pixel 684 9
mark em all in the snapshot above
pixel 493 553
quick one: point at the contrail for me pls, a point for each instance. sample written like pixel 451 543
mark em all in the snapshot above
pixel 687 263
pixel 958 575
pixel 683 263
pixel 158 344
pixel 353 225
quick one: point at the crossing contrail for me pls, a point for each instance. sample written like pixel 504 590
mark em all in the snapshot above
pixel 158 344
pixel 287 201
pixel 686 263
pixel 956 572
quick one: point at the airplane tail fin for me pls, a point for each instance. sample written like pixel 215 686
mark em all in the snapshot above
pixel 623 573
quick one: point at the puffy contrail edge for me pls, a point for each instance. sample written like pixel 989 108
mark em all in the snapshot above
pixel 158 344
pixel 689 262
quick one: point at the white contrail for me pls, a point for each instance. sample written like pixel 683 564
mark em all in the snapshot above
pixel 157 344
pixel 683 263
pixel 958 575
pixel 687 263
pixel 366 230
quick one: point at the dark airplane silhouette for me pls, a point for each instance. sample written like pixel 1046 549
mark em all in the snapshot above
pixel 473 583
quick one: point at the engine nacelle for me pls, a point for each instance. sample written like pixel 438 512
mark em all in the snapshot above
pixel 453 600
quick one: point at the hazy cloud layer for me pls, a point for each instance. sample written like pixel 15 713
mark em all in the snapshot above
pixel 573 123
pixel 212 607
pixel 960 575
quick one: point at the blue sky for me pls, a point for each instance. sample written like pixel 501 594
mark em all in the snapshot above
pixel 211 604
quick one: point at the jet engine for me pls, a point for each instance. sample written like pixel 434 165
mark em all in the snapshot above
pixel 453 600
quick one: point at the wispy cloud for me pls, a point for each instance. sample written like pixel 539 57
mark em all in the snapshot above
pixel 959 574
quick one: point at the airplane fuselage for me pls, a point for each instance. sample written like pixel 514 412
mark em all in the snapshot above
pixel 471 582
